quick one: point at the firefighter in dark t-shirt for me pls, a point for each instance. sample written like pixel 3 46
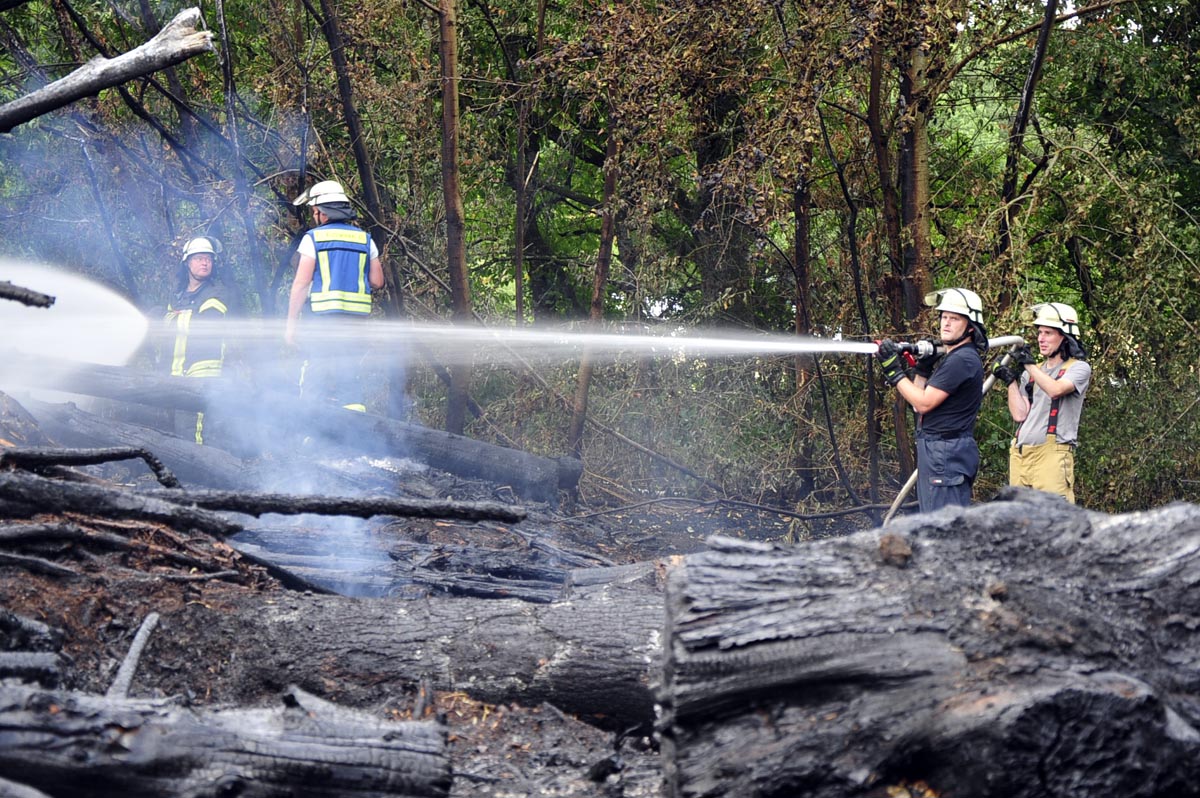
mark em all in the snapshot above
pixel 946 390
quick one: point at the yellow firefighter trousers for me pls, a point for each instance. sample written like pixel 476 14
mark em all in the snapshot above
pixel 1048 466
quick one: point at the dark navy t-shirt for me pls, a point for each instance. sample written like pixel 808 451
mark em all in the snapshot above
pixel 960 374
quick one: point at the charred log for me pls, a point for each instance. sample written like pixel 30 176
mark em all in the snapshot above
pixel 26 296
pixel 194 465
pixel 42 667
pixel 74 743
pixel 1021 648
pixel 592 656
pixel 330 429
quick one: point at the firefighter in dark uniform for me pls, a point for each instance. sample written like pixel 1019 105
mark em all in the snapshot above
pixel 338 268
pixel 946 390
pixel 195 316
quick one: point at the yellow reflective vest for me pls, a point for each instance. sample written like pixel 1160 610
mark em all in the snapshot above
pixel 341 276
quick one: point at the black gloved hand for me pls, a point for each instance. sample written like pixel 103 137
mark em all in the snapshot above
pixel 890 361
pixel 1004 374
pixel 924 365
pixel 1022 357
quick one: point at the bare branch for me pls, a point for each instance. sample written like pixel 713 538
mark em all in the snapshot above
pixel 175 43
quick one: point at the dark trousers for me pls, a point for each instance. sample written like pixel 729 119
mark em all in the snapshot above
pixel 946 469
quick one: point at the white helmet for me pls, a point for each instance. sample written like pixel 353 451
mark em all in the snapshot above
pixel 957 300
pixel 200 245
pixel 322 193
pixel 1057 315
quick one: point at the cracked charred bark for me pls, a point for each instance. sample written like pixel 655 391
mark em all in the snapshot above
pixel 1021 648
pixel 75 743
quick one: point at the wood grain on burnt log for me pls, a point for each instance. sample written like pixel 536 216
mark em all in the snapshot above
pixel 67 743
pixel 833 669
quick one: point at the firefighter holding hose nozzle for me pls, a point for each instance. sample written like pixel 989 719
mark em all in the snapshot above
pixel 945 390
pixel 1046 401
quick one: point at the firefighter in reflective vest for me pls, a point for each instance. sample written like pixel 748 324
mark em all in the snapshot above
pixel 338 268
pixel 1046 401
pixel 194 315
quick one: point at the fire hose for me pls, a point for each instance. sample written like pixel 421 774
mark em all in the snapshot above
pixel 1012 342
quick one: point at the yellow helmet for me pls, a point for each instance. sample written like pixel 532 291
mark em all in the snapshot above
pixel 1057 315
pixel 323 193
pixel 957 300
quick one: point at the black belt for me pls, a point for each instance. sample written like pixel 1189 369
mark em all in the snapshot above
pixel 943 436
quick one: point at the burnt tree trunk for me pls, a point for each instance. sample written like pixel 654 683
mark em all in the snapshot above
pixel 592 654
pixel 238 409
pixel 81 744
pixel 1021 648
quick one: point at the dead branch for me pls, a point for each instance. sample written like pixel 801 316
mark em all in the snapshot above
pixel 257 504
pixel 25 495
pixel 124 677
pixel 24 295
pixel 37 565
pixel 42 456
pixel 178 41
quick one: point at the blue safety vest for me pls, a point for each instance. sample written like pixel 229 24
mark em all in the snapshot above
pixel 340 279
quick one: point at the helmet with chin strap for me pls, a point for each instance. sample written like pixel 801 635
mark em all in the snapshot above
pixel 1061 317
pixel 965 303
pixel 1057 315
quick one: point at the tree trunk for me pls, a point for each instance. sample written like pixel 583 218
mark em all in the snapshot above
pixel 1020 123
pixel 592 654
pixel 1021 648
pixel 456 256
pixel 599 289
pixel 332 30
pixel 254 246
pixel 914 179
pixel 80 744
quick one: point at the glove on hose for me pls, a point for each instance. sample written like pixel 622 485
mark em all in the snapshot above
pixel 890 362
pixel 924 365
pixel 1022 357
pixel 1004 374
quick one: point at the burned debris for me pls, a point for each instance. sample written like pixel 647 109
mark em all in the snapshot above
pixel 1018 648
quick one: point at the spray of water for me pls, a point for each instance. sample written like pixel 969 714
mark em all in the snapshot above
pixel 87 321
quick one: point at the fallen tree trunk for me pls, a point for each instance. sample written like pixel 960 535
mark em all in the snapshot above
pixel 208 466
pixel 176 42
pixel 331 430
pixel 1021 648
pixel 80 744
pixel 593 656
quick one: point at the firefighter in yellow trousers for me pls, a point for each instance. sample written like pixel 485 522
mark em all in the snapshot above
pixel 1046 401
pixel 194 315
